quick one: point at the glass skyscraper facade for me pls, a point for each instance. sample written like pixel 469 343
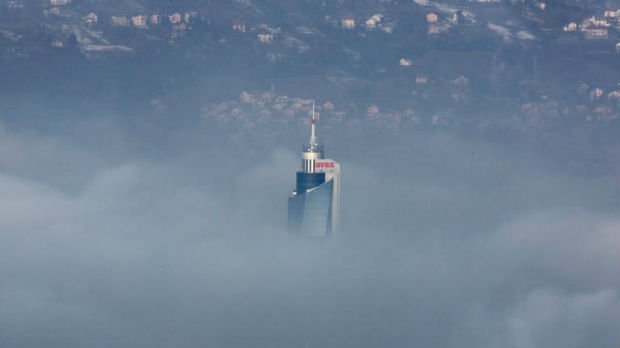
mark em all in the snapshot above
pixel 314 205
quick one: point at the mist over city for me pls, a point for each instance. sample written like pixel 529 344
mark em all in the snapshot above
pixel 148 149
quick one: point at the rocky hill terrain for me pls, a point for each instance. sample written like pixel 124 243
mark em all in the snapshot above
pixel 542 73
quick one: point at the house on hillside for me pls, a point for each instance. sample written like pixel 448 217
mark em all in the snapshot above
pixel 174 18
pixel 614 95
pixel 572 26
pixel 373 21
pixel 265 38
pixel 595 94
pixel 405 62
pixel 431 18
pixel 239 26
pixel 139 21
pixel 90 19
pixel 348 23
pixel 594 22
pixel 597 33
pixel 120 21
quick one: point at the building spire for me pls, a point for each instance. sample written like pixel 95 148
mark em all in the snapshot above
pixel 313 142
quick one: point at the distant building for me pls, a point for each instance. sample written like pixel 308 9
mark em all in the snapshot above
pixel 372 111
pixel 120 21
pixel 405 62
pixel 572 26
pixel 377 17
pixel 59 2
pixel 431 18
pixel 601 23
pixel 541 5
pixel 421 79
pixel 454 19
pixel 57 44
pixel 155 19
pixel 595 94
pixel 55 11
pixel 373 21
pixel 370 24
pixel 90 19
pixel 265 38
pixel 139 21
pixel 594 22
pixel 15 4
pixel 596 33
pixel 174 18
pixel 239 26
pixel 348 23
pixel 612 13
pixel 613 95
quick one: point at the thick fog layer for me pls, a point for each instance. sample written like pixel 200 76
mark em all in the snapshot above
pixel 446 241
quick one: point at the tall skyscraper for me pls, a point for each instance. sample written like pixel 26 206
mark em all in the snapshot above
pixel 314 205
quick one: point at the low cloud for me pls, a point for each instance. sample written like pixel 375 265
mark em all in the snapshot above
pixel 422 2
pixel 451 243
pixel 585 317
pixel 524 35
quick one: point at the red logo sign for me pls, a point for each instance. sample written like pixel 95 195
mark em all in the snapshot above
pixel 325 164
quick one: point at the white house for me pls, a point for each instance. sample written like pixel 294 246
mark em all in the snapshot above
pixel 572 26
pixel 265 38
pixel 90 19
pixel 120 21
pixel 139 21
pixel 175 18
pixel 348 23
